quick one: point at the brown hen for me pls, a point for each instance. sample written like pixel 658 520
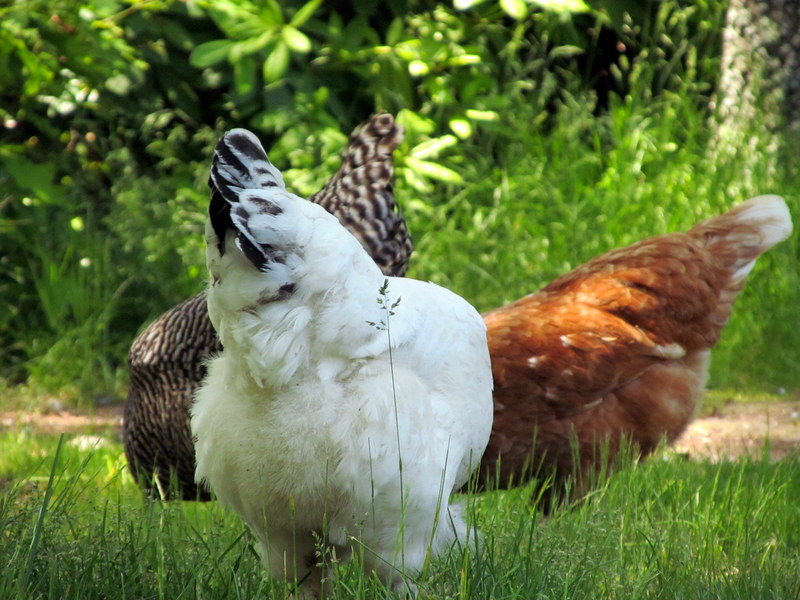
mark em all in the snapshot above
pixel 618 348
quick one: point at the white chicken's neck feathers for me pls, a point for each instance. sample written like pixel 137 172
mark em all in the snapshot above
pixel 264 315
pixel 321 331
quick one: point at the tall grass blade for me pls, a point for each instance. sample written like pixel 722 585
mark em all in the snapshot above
pixel 39 525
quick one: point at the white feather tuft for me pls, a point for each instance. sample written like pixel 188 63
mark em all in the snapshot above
pixel 770 215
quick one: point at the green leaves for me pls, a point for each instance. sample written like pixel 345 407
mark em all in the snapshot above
pixel 36 178
pixel 304 13
pixel 256 35
pixel 244 75
pixel 516 9
pixel 295 39
pixel 211 53
pixel 570 6
pixel 277 62
pixel 420 163
pixel 110 109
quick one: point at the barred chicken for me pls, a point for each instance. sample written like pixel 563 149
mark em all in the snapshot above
pixel 167 361
pixel 336 411
pixel 618 348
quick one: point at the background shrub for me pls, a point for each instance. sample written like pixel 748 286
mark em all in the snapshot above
pixel 535 139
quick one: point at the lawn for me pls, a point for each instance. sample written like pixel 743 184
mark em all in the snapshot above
pixel 75 526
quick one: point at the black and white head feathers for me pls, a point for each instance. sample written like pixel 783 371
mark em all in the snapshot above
pixel 240 163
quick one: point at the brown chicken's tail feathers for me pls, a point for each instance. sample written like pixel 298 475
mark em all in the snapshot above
pixel 361 196
pixel 741 235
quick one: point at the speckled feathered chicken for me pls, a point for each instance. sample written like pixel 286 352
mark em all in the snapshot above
pixel 618 347
pixel 167 360
pixel 330 415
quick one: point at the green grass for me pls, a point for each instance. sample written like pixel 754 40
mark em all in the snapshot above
pixel 78 528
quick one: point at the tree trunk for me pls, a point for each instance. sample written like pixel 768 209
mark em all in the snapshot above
pixel 759 89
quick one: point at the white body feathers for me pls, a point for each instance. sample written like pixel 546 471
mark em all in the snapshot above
pixel 303 421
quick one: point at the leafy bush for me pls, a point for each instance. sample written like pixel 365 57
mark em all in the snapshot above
pixel 535 139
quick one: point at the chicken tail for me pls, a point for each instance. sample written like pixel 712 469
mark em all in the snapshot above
pixel 738 237
pixel 239 163
pixel 744 233
pixel 361 196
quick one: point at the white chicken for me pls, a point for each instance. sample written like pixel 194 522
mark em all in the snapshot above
pixel 336 411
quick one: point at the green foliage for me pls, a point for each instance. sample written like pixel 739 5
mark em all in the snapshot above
pixel 525 152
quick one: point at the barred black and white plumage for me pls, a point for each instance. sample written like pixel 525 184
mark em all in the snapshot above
pixel 167 360
pixel 239 160
pixel 166 363
pixel 360 195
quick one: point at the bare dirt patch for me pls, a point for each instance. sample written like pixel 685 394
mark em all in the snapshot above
pixel 735 430
pixel 105 420
pixel 730 431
